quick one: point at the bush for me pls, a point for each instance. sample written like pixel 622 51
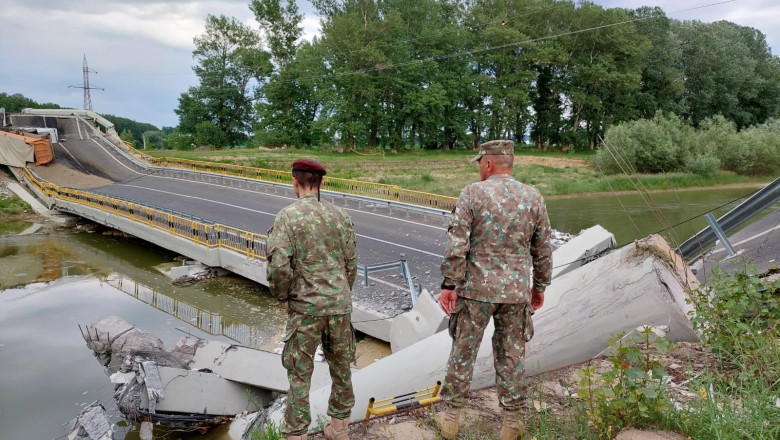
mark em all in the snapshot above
pixel 702 165
pixel 756 153
pixel 666 144
pixel 178 141
pixel 645 146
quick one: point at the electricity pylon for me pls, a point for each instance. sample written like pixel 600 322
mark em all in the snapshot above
pixel 86 86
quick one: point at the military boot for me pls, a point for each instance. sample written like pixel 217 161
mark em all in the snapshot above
pixel 448 421
pixel 297 437
pixel 337 429
pixel 512 428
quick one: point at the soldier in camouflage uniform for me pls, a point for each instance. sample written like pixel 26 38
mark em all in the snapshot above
pixel 497 264
pixel 311 268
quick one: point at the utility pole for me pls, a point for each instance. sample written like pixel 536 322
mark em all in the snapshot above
pixel 86 86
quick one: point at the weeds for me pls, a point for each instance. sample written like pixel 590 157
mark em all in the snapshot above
pixel 738 318
pixel 632 392
pixel 272 431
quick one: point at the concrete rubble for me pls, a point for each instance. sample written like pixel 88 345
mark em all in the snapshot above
pixel 91 424
pixel 178 388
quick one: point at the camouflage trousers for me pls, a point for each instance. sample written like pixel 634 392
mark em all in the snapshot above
pixel 513 328
pixel 304 334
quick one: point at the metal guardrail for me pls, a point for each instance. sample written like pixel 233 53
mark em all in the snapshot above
pixel 215 235
pixel 763 198
pixel 333 184
pixel 402 265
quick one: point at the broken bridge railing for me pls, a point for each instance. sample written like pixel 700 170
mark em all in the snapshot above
pixel 403 266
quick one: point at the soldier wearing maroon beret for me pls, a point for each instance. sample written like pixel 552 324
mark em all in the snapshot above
pixel 312 265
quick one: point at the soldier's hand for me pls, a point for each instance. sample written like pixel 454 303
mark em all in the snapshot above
pixel 447 300
pixel 286 305
pixel 537 299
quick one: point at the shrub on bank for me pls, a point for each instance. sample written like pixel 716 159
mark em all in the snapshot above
pixel 667 144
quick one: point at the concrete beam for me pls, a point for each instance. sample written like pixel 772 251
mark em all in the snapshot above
pixel 250 366
pixel 188 391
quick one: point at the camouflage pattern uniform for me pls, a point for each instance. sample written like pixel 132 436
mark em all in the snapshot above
pixel 499 232
pixel 312 264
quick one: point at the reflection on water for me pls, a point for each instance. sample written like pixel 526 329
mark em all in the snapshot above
pixel 49 285
pixel 212 323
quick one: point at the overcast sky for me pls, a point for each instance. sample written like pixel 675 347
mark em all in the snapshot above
pixel 142 49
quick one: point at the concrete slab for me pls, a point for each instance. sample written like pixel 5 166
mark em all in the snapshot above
pixel 577 251
pixel 250 366
pixel 425 319
pixel 36 205
pixel 35 227
pixel 187 391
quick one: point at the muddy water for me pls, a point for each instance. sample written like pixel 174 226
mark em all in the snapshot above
pixel 52 284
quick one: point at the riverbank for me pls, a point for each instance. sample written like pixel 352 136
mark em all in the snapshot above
pixel 446 173
pixel 15 215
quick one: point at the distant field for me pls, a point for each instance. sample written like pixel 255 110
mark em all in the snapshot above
pixel 447 172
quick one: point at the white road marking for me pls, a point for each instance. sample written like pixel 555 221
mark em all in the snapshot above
pixel 115 159
pixel 439 228
pixel 400 245
pixel 199 198
pixel 274 215
pixel 760 234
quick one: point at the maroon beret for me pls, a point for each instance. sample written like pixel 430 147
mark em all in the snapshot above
pixel 309 166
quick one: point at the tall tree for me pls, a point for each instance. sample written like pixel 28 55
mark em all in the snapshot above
pixel 603 73
pixel 728 70
pixel 281 25
pixel 230 65
pixel 663 81
pixel 292 102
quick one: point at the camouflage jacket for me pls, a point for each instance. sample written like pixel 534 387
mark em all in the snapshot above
pixel 311 257
pixel 499 232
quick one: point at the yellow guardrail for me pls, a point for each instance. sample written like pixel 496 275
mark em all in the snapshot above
pixel 335 184
pixel 422 397
pixel 251 244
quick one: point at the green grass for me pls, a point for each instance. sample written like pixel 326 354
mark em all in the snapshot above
pixel 12 205
pixel 13 227
pixel 447 172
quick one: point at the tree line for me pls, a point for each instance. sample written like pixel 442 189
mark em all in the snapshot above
pixel 133 132
pixel 445 73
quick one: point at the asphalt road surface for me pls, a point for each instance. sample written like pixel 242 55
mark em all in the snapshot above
pixel 383 234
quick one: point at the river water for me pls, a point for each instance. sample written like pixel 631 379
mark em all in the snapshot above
pixel 49 285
